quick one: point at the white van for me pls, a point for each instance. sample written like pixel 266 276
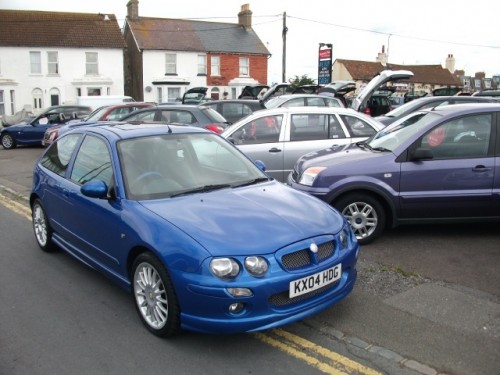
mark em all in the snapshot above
pixel 95 102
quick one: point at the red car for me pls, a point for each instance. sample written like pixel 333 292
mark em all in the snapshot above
pixel 106 113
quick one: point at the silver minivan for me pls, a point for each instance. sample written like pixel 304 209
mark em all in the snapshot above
pixel 279 136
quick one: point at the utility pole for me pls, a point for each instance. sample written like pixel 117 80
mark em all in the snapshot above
pixel 283 63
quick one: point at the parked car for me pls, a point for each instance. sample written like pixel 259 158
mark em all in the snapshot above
pixel 396 101
pixel 279 136
pixel 254 92
pixel 361 102
pixel 235 109
pixel 158 209
pixel 438 165
pixel 31 134
pixel 194 115
pixel 427 102
pixel 377 105
pixel 487 93
pixel 195 95
pixel 104 113
pixel 303 100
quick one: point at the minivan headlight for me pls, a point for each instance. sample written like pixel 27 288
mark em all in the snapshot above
pixel 224 268
pixel 309 175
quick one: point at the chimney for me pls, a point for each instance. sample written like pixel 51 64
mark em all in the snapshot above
pixel 133 9
pixel 382 57
pixel 244 17
pixel 450 63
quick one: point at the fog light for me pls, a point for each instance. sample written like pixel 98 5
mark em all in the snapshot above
pixel 235 308
pixel 240 292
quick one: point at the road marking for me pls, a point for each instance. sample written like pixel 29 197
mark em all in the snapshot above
pixel 15 206
pixel 314 355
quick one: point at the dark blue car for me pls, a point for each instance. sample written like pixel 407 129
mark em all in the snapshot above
pixel 200 235
pixel 440 165
pixel 32 133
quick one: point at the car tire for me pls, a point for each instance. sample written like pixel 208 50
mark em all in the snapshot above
pixel 8 141
pixel 41 227
pixel 366 215
pixel 154 296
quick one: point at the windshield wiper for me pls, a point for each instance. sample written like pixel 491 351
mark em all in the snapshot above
pixel 382 149
pixel 201 189
pixel 250 182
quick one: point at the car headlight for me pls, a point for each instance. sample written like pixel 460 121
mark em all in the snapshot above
pixel 256 266
pixel 344 238
pixel 309 175
pixel 225 268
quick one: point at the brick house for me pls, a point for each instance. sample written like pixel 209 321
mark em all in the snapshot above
pixel 49 58
pixel 426 77
pixel 165 57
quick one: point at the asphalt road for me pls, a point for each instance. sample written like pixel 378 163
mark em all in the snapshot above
pixel 427 301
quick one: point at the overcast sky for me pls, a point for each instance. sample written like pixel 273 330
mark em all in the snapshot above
pixel 413 32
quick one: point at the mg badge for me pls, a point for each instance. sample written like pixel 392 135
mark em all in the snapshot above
pixel 314 248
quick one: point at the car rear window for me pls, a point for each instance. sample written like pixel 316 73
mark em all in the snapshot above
pixel 214 115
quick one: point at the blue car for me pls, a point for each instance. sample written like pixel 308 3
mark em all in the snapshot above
pixel 440 165
pixel 202 238
pixel 32 133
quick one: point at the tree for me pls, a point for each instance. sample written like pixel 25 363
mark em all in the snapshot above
pixel 300 81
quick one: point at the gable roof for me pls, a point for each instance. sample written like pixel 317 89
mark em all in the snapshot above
pixel 430 74
pixel 26 28
pixel 186 35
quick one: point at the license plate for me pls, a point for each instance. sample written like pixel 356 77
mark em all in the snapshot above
pixel 316 281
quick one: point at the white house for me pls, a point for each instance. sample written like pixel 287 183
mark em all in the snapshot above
pixel 50 58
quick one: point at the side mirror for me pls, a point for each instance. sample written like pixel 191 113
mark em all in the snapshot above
pixel 421 154
pixel 95 189
pixel 260 164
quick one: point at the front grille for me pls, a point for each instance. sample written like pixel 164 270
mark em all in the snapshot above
pixel 282 299
pixel 306 257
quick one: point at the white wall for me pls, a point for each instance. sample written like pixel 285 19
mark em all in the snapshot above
pixel 15 74
pixel 154 71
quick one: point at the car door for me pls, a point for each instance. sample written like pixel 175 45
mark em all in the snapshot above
pixel 92 226
pixel 311 132
pixel 458 181
pixel 261 138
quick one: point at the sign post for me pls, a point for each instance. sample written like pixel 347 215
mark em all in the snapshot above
pixel 324 64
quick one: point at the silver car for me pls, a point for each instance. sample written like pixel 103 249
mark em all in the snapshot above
pixel 279 136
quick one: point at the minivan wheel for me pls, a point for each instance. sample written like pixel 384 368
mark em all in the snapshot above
pixel 8 142
pixel 366 215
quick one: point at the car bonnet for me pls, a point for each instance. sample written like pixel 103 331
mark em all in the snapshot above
pixel 257 219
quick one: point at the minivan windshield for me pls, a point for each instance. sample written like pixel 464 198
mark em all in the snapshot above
pixel 397 133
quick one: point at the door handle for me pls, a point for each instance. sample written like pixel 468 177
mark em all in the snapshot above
pixel 480 168
pixel 274 149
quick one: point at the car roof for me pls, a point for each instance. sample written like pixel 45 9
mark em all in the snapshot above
pixel 465 108
pixel 124 130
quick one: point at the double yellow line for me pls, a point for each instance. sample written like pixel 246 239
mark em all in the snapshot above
pixel 17 207
pixel 312 354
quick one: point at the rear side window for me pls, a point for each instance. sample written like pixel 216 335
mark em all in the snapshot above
pixel 58 156
pixel 358 127
pixel 213 115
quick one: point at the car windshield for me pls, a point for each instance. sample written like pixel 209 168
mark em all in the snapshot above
pixel 397 133
pixel 274 102
pixel 164 166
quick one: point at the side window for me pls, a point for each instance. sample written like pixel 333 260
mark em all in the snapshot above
pixel 262 130
pixel 358 127
pixel 143 116
pixel 330 102
pixel 296 102
pixel 317 102
pixel 309 127
pixel 92 162
pixel 465 137
pixel 335 129
pixel 57 157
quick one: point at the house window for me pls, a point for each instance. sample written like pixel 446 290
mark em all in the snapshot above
pixel 174 93
pixel 170 64
pixel 2 104
pixel 244 67
pixel 215 65
pixel 37 99
pixel 12 101
pixel 54 97
pixel 91 63
pixel 159 95
pixel 202 65
pixel 36 62
pixel 53 63
pixel 78 91
pixel 94 91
